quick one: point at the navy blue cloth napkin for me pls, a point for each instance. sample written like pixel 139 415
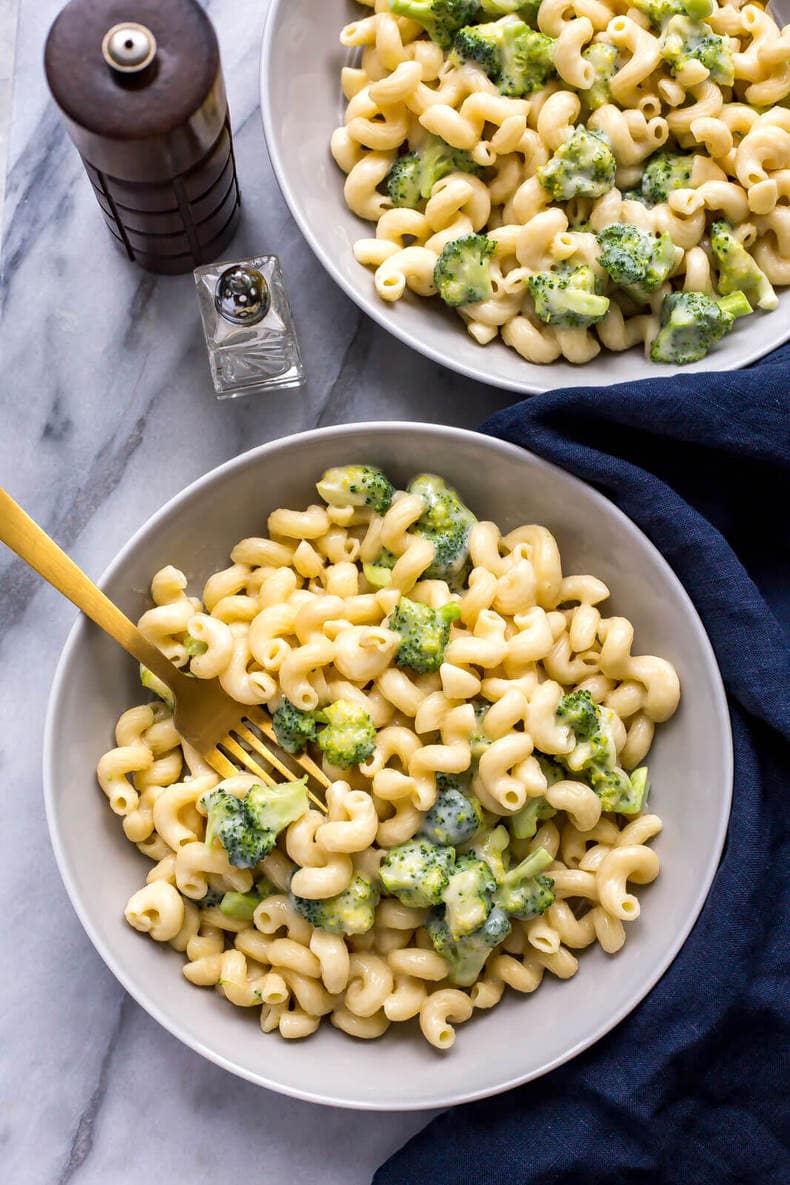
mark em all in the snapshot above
pixel 692 1087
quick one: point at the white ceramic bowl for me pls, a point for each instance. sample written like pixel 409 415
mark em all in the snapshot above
pixel 302 103
pixel 691 771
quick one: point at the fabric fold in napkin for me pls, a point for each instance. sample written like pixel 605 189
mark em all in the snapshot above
pixel 692 1087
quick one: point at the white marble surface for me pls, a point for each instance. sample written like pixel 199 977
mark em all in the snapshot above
pixel 8 19
pixel 107 411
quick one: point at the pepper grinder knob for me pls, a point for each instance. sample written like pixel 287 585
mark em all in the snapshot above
pixel 129 47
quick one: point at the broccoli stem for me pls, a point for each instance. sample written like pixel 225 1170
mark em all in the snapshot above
pixel 735 305
pixel 531 865
pixel 240 906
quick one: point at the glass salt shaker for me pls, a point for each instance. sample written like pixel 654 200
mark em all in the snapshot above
pixel 249 330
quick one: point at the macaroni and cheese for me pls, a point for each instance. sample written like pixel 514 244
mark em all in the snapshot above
pixel 483 725
pixel 572 174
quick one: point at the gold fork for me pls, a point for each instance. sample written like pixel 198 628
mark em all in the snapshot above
pixel 222 730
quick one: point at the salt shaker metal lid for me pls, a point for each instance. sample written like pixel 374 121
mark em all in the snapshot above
pixel 141 106
pixel 242 294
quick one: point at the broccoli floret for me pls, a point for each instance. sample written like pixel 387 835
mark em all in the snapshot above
pixel 660 11
pixel 211 898
pixel 357 485
pixel 584 166
pixel 403 183
pixel 605 61
pixel 447 523
pixel 466 956
pixel 458 782
pixel 594 749
pixel 468 896
pixel 579 711
pixel 663 172
pixel 351 912
pixel 462 273
pixel 350 735
pixel 417 872
pixel 534 897
pixel 527 64
pixel 525 10
pixel 636 260
pixel 518 59
pixel 228 825
pixel 552 770
pixel 685 40
pixel 479 741
pixel 523 892
pixel 272 808
pixel 490 846
pixel 715 54
pixel 594 754
pixel 441 19
pixel 152 683
pixel 510 7
pixel 293 727
pixel 524 824
pixel 455 816
pixel 567 299
pixel 692 322
pixel 612 785
pixel 480 44
pixel 424 633
pixel 444 510
pixel 737 270
pixel 411 179
pixel 617 791
pixel 632 799
pixel 379 573
pixel 240 906
pixel 247 828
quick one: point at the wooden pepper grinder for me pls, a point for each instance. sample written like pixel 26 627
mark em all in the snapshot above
pixel 139 83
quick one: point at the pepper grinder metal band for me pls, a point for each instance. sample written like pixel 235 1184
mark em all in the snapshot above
pixel 140 87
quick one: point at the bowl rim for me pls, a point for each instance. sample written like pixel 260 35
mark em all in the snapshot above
pixel 377 309
pixel 171 1023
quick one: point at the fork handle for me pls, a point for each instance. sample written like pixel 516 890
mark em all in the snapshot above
pixel 19 532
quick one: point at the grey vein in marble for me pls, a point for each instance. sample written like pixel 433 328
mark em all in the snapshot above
pixel 107 411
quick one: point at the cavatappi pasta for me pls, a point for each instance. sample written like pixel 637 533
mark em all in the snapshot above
pixel 572 174
pixel 483 724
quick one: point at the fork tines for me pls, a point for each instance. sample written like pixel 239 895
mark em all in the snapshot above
pixel 245 745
